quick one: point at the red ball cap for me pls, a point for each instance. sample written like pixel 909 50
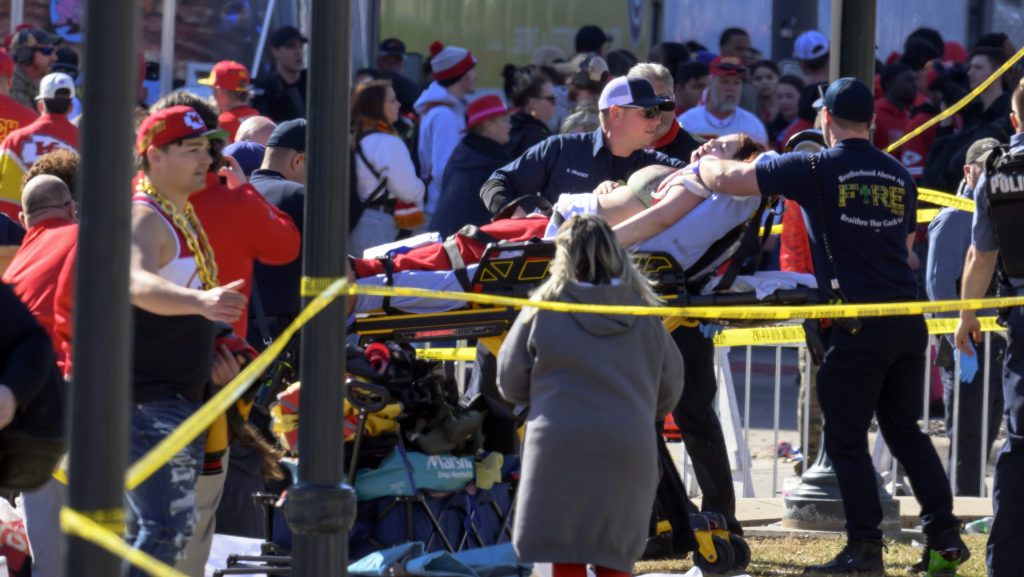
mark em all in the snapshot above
pixel 229 75
pixel 727 66
pixel 171 125
pixel 483 109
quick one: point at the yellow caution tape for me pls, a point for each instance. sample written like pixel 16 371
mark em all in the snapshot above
pixel 963 102
pixel 74 523
pixel 460 354
pixel 756 313
pixel 775 335
pixel 926 215
pixel 945 199
pixel 223 400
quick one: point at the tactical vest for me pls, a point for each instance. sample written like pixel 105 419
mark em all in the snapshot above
pixel 1004 175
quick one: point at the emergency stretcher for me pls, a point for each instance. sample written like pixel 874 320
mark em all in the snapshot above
pixel 514 269
pixel 724 275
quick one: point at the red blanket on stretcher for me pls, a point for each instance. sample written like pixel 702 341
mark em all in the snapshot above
pixel 434 257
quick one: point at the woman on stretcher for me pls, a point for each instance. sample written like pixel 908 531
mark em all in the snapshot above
pixel 659 210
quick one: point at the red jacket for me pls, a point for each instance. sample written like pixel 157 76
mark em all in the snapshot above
pixel 65 292
pixel 434 257
pixel 35 269
pixel 243 227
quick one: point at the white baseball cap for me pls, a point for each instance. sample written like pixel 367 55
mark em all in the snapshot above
pixel 54 82
pixel 810 45
pixel 626 91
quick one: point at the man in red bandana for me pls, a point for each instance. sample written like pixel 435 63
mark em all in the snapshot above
pixel 176 299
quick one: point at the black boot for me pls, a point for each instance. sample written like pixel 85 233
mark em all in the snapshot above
pixel 861 557
pixel 950 552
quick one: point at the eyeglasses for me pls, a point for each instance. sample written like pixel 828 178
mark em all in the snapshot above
pixel 551 99
pixel 648 112
pixel 45 50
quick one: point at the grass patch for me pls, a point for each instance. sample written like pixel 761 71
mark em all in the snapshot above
pixel 779 556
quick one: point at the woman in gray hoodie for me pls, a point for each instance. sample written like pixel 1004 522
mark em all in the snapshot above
pixel 595 385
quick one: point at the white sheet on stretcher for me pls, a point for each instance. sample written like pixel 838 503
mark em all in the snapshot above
pixel 763 283
pixel 438 280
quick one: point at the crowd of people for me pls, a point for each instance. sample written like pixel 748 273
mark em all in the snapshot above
pixel 217 217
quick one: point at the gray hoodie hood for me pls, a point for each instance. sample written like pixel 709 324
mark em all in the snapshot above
pixel 604 294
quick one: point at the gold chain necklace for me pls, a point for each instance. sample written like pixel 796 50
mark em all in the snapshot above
pixel 190 228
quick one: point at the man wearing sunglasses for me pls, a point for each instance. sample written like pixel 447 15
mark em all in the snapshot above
pixel 34 52
pixel 630 114
pixel 672 139
pixel 721 113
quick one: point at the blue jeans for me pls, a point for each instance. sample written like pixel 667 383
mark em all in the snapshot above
pixel 1006 540
pixel 161 511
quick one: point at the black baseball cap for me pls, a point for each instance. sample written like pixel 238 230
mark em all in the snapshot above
pixel 849 99
pixel 591 38
pixel 284 35
pixel 290 134
pixel 392 47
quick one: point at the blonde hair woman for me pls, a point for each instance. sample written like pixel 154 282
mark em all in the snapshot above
pixel 595 385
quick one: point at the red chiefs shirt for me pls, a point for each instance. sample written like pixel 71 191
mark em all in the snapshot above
pixel 232 119
pixel 243 227
pixel 34 271
pixel 20 150
pixel 892 124
pixel 14 115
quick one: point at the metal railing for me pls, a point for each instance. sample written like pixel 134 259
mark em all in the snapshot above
pixel 743 360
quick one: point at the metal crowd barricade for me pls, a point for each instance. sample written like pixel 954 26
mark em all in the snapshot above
pixel 744 472
pixel 735 419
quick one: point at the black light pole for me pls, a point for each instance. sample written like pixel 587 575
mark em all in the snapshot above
pixel 102 323
pixel 857 41
pixel 320 509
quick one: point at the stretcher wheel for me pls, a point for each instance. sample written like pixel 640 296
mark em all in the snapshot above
pixel 741 551
pixel 724 563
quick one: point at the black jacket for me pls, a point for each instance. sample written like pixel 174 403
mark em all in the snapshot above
pixel 944 167
pixel 280 101
pixel 526 132
pixel 564 163
pixel 27 367
pixel 278 285
pixel 11 232
pixel 471 163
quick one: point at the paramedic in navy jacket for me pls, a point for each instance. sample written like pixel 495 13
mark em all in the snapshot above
pixel 862 211
pixel 630 113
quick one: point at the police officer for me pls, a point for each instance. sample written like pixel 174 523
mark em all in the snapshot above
pixel 999 199
pixel 949 238
pixel 630 113
pixel 861 206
